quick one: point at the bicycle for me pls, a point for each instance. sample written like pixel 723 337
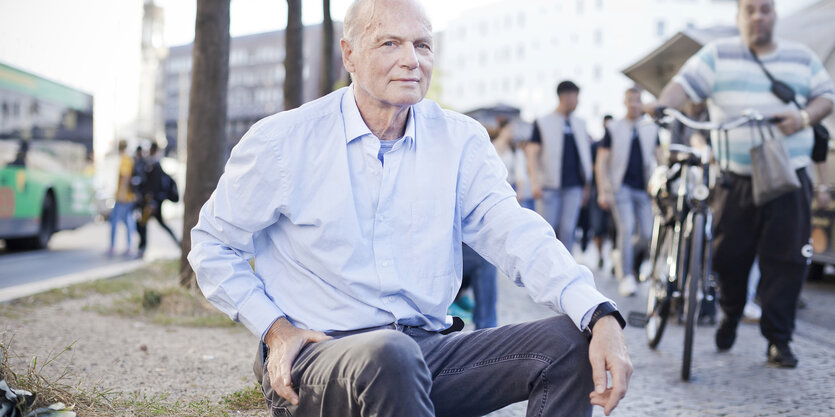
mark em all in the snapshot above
pixel 682 235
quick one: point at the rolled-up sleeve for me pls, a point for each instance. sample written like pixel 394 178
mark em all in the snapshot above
pixel 698 74
pixel 518 241
pixel 248 199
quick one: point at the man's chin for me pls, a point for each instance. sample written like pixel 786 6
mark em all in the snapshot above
pixel 408 99
pixel 761 40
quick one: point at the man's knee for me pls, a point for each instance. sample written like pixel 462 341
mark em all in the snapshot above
pixel 390 357
pixel 569 345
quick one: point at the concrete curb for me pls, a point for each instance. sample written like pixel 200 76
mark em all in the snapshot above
pixel 108 271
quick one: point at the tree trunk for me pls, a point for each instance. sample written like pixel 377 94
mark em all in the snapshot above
pixel 206 139
pixel 326 76
pixel 294 57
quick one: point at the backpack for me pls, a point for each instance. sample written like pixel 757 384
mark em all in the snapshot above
pixel 169 187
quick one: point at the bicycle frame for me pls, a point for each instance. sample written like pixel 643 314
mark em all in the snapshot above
pixel 682 235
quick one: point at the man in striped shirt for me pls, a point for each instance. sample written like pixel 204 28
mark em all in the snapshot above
pixel 725 73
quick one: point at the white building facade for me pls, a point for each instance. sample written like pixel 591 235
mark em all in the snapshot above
pixel 515 52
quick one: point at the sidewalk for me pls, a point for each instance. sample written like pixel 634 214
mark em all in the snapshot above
pixel 736 383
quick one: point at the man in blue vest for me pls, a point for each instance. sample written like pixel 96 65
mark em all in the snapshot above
pixel 559 164
pixel 625 161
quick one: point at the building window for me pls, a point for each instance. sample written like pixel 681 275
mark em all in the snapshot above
pixel 521 19
pixel 600 5
pixel 660 28
pixel 520 52
pixel 580 6
pixel 598 37
pixel 598 72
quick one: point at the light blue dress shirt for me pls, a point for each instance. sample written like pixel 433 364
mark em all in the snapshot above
pixel 342 241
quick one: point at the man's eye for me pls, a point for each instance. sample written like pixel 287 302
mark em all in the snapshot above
pixel 389 43
pixel 423 46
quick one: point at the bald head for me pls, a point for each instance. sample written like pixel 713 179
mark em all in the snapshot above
pixel 360 14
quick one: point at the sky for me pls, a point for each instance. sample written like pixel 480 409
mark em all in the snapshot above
pixel 253 16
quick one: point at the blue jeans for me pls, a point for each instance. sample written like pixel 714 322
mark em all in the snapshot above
pixel 482 277
pixel 631 206
pixel 561 208
pixel 402 371
pixel 122 212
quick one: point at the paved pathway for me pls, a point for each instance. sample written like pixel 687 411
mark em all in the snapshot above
pixel 736 383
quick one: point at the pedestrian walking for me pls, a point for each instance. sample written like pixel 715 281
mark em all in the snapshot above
pixel 123 207
pixel 156 189
pixel 625 160
pixel 481 276
pixel 360 200
pixel 559 164
pixel 748 72
pixel 139 183
pixel 599 218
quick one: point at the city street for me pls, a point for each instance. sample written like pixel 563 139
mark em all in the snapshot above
pixel 79 255
pixel 736 383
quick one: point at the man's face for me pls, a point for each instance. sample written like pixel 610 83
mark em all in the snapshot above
pixel 756 19
pixel 569 100
pixel 633 104
pixel 391 60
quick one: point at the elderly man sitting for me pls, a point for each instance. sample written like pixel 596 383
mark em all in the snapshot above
pixel 355 207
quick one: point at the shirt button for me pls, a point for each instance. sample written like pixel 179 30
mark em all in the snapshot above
pixel 390 298
pixel 386 263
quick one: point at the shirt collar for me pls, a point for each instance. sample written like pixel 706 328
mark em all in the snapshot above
pixel 356 128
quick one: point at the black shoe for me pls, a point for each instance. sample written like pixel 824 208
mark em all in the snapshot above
pixel 781 356
pixel 726 334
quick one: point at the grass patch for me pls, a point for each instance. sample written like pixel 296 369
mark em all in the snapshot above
pixel 151 293
pixel 168 305
pixel 95 402
pixel 246 399
pixel 160 271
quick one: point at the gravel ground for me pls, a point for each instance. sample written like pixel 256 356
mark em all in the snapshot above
pixel 186 363
pixel 132 356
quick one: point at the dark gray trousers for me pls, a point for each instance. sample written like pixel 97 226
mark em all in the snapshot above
pixel 399 371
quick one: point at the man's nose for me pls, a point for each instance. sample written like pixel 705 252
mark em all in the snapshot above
pixel 408 56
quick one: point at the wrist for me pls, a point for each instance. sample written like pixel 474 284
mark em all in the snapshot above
pixel 603 312
pixel 805 120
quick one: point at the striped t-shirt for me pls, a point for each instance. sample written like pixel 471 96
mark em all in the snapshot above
pixel 725 73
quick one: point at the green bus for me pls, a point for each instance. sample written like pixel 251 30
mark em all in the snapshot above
pixel 46 147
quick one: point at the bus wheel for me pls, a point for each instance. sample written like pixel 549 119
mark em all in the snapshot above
pixel 47 228
pixel 48 220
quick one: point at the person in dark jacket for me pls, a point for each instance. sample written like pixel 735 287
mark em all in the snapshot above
pixel 154 193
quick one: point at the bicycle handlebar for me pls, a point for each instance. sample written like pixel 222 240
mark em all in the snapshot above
pixel 747 116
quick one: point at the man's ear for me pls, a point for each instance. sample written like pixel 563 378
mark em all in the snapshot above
pixel 347 51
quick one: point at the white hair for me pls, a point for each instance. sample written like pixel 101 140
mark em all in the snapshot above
pixel 358 18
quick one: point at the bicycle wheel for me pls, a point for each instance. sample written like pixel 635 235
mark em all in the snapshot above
pixel 694 277
pixel 658 298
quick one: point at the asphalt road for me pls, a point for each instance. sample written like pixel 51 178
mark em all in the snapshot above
pixel 78 255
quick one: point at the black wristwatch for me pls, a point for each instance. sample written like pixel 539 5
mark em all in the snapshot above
pixel 603 310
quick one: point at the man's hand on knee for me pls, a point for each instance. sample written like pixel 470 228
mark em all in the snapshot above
pixel 285 341
pixel 607 352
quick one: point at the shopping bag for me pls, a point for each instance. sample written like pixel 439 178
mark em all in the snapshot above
pixel 772 174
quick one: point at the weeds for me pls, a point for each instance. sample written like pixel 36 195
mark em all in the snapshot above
pixel 246 399
pixel 151 292
pixel 96 401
